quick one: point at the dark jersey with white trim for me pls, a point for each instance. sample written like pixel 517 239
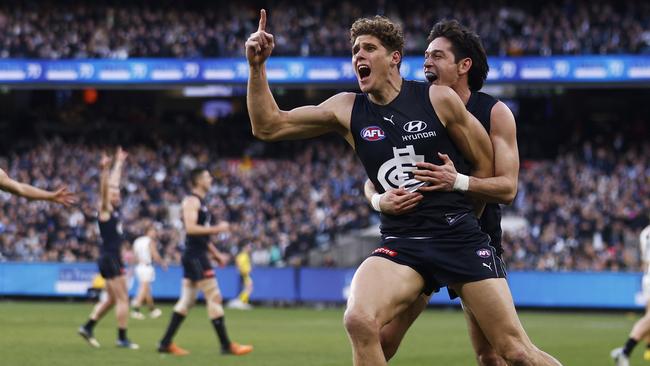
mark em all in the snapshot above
pixel 390 139
pixel 111 233
pixel 480 105
pixel 197 245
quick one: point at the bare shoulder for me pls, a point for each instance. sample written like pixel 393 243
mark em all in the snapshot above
pixel 446 103
pixel 502 121
pixel 442 94
pixel 191 202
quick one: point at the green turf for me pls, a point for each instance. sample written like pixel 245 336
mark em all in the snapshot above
pixel 44 333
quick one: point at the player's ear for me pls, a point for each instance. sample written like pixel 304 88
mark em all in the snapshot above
pixel 396 58
pixel 464 65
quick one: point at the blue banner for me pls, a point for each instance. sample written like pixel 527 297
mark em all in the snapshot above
pixel 314 70
pixel 535 289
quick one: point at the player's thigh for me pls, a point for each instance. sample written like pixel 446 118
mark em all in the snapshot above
pixel 396 329
pixel 118 287
pixel 210 289
pixel 382 288
pixel 491 303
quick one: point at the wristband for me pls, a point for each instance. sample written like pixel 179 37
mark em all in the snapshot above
pixel 462 183
pixel 374 201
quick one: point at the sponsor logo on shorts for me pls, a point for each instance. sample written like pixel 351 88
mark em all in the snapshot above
pixel 208 273
pixel 373 133
pixel 484 253
pixel 386 251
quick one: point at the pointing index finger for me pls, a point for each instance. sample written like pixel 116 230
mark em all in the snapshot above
pixel 262 25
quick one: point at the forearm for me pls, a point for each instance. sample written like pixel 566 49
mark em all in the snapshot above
pixel 262 108
pixel 369 190
pixel 32 192
pixel 200 230
pixel 500 189
pixel 115 175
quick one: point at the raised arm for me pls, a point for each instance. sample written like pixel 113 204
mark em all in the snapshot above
pixel 116 172
pixel 502 187
pixel 268 121
pixel 104 200
pixel 60 195
pixel 191 206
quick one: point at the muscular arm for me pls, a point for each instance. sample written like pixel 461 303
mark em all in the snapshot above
pixel 268 121
pixel 191 206
pixel 22 189
pixel 464 130
pixel 104 202
pixel 502 188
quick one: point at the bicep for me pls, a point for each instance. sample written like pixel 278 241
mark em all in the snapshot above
pixel 503 133
pixel 471 138
pixel 8 184
pixel 311 121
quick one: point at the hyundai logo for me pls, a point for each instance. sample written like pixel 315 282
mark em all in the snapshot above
pixel 415 126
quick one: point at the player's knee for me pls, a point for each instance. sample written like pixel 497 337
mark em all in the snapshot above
pixel 215 309
pixel 359 323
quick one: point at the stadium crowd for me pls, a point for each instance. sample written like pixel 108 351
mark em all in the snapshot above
pixel 283 207
pixel 583 210
pixel 192 29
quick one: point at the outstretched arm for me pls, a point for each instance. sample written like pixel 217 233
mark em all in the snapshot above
pixel 61 195
pixel 104 177
pixel 116 172
pixel 268 121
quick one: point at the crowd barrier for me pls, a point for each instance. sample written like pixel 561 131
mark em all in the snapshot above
pixel 309 285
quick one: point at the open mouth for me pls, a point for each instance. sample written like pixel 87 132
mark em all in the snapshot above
pixel 431 77
pixel 364 71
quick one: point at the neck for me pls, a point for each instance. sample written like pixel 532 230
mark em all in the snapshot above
pixel 463 92
pixel 199 192
pixel 389 92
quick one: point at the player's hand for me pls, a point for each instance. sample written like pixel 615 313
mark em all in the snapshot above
pixel 64 197
pixel 222 227
pixel 260 44
pixel 105 161
pixel 221 258
pixel 439 177
pixel 399 201
pixel 121 155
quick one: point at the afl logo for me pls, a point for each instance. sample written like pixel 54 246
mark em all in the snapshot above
pixel 484 253
pixel 372 133
pixel 415 126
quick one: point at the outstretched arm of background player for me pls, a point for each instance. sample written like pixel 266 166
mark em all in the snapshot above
pixel 116 173
pixel 269 123
pixel 502 188
pixel 104 177
pixel 191 206
pixel 394 201
pixel 155 255
pixel 61 195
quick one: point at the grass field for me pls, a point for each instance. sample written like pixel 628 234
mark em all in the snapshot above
pixel 44 333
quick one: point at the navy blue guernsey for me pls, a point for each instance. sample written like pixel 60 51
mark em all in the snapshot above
pixel 390 139
pixel 111 233
pixel 480 105
pixel 197 245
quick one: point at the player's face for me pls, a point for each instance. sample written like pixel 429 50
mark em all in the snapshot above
pixel 440 67
pixel 205 180
pixel 371 62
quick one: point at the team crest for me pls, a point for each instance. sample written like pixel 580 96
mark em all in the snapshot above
pixel 373 133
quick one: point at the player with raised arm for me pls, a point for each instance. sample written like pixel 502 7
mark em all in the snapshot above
pixel 641 329
pixel 110 261
pixel 393 125
pixel 455 57
pixel 198 274
pixel 146 252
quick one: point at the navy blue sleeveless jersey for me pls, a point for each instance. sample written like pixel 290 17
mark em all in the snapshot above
pixel 390 139
pixel 197 245
pixel 111 233
pixel 480 105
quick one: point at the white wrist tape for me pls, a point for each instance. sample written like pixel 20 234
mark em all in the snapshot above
pixel 462 183
pixel 374 201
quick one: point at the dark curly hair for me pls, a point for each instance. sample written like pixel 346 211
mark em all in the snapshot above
pixel 389 34
pixel 464 44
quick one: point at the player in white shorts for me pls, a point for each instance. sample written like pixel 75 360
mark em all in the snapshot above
pixel 145 251
pixel 641 328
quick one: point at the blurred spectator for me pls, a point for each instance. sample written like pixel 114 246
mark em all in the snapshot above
pixel 192 29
